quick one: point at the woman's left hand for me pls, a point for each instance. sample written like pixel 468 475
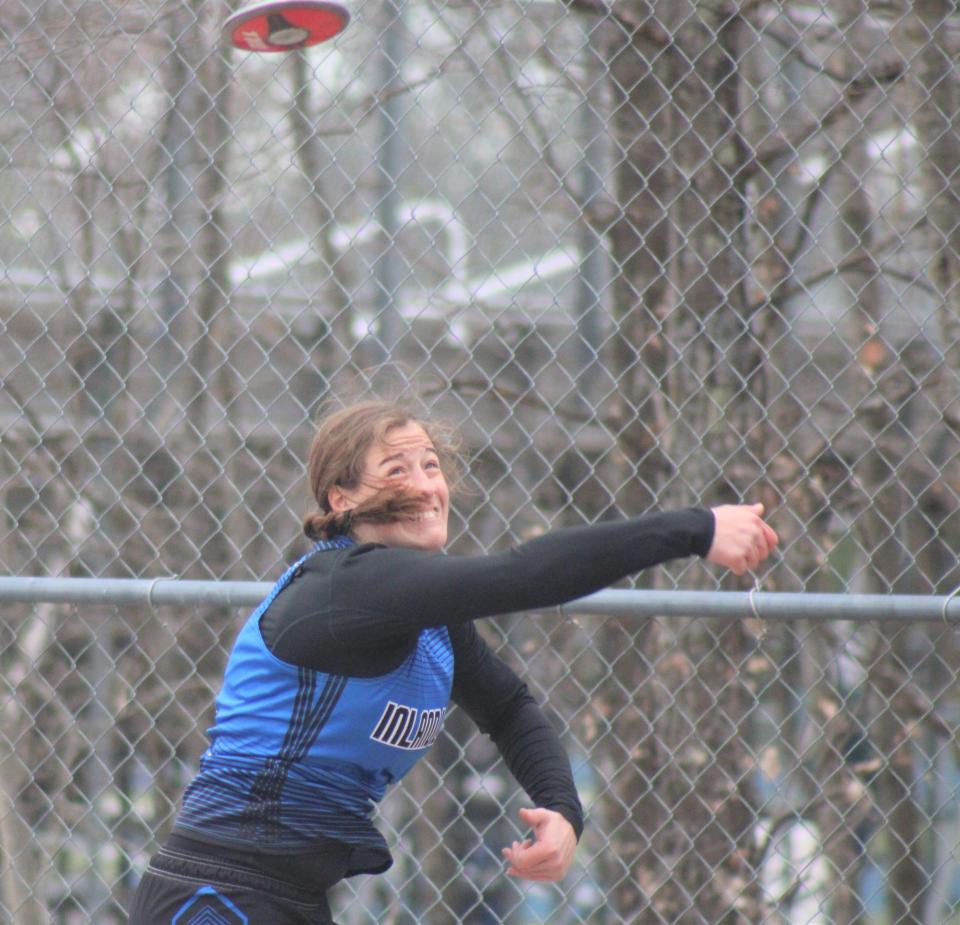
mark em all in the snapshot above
pixel 548 856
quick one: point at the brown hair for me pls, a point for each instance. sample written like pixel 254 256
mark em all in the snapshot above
pixel 337 455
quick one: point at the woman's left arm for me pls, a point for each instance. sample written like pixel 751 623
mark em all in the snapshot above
pixel 501 706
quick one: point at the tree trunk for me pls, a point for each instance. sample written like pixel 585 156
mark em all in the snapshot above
pixel 686 364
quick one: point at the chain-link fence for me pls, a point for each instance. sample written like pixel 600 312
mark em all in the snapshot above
pixel 644 254
pixel 767 770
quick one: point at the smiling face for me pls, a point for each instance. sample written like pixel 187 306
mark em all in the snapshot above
pixel 406 460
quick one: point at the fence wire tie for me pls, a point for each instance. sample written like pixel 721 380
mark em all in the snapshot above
pixel 751 601
pixel 946 603
pixel 152 587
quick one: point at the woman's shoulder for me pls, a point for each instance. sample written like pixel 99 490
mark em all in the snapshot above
pixel 363 555
pixel 322 562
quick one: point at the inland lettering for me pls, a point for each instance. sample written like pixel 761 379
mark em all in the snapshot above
pixel 407 727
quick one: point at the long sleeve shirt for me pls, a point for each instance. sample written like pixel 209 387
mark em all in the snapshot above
pixel 339 683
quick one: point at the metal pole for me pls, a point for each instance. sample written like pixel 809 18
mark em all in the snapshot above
pixel 765 605
pixel 387 270
pixel 594 262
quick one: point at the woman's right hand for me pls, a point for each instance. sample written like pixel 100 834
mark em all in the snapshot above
pixel 741 538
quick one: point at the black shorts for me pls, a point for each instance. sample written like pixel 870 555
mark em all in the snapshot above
pixel 187 889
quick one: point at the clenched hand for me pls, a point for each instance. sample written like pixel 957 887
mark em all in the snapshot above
pixel 547 856
pixel 741 538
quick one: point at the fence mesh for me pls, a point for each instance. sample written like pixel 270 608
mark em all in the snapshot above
pixel 643 254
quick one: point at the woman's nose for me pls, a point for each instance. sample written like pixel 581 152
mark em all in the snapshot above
pixel 420 479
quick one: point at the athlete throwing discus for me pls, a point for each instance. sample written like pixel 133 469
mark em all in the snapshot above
pixel 285 25
pixel 339 682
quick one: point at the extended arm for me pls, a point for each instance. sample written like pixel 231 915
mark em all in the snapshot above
pixel 368 603
pixel 562 565
pixel 375 599
pixel 553 569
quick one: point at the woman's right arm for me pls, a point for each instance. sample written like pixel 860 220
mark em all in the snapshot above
pixel 560 566
pixel 376 598
pixel 433 589
pixel 368 602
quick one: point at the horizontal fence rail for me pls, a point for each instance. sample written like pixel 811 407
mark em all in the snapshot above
pixel 628 604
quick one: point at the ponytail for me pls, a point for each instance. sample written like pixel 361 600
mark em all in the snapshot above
pixel 323 526
pixel 386 506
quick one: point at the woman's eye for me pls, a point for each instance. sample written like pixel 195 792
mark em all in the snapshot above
pixel 395 471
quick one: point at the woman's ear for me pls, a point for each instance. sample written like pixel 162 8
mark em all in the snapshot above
pixel 338 500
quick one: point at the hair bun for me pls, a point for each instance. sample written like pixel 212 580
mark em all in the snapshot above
pixel 316 526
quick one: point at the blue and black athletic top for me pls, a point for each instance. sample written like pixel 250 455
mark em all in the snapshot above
pixel 298 754
pixel 341 680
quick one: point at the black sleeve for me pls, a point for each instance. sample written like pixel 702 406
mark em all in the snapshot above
pixel 501 706
pixel 364 617
pixel 382 587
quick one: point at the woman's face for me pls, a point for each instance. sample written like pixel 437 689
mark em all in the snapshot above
pixel 405 459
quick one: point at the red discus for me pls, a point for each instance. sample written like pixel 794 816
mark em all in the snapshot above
pixel 283 25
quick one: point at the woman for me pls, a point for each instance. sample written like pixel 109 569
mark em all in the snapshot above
pixel 340 680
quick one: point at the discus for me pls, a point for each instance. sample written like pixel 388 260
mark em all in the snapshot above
pixel 285 25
